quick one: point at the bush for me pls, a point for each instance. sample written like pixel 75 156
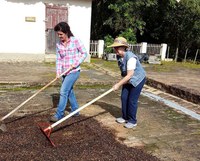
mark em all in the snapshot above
pixel 108 41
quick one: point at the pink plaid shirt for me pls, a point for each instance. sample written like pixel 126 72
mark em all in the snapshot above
pixel 75 53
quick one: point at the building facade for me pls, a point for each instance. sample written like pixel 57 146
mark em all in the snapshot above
pixel 26 32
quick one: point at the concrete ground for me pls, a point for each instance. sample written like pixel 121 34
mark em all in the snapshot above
pixel 162 131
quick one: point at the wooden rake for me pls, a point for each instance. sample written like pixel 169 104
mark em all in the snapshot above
pixel 47 131
pixel 3 126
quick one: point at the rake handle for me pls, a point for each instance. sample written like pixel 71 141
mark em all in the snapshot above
pixel 79 109
pixel 23 103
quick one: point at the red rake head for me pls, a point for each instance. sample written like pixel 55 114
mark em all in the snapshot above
pixel 46 130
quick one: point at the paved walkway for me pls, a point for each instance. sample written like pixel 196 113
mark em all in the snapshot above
pixel 183 83
pixel 164 132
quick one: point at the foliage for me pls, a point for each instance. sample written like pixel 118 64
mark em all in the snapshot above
pixel 100 14
pixel 108 41
pixel 185 25
pixel 152 21
pixel 125 19
pixel 177 24
pixel 120 18
pixel 130 35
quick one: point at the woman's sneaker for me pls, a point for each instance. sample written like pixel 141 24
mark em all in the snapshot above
pixel 130 125
pixel 54 119
pixel 120 120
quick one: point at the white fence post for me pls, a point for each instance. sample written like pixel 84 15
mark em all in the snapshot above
pixel 163 51
pixel 100 48
pixel 143 48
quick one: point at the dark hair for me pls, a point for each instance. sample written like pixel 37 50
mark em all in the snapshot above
pixel 64 27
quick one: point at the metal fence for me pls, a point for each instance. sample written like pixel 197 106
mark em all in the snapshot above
pixel 189 55
pixel 153 49
pixel 135 48
pixel 93 48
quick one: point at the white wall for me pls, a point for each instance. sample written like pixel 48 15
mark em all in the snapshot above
pixel 19 38
pixel 80 21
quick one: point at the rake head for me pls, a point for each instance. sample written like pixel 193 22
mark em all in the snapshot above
pixel 46 130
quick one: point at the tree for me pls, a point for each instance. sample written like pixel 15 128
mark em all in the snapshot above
pixel 152 21
pixel 175 23
pixel 120 18
pixel 185 25
pixel 100 13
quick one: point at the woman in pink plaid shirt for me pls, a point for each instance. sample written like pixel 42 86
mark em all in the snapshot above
pixel 70 53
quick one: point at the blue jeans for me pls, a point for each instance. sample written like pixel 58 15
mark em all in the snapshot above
pixel 67 92
pixel 129 99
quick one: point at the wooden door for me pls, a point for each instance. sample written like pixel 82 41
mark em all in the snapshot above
pixel 54 15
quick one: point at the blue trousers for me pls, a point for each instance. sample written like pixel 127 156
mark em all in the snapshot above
pixel 129 100
pixel 67 92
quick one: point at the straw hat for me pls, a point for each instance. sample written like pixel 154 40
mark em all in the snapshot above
pixel 119 41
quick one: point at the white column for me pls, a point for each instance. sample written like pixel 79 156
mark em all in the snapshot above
pixel 163 51
pixel 100 48
pixel 143 48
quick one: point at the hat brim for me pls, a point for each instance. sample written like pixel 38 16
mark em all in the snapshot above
pixel 117 45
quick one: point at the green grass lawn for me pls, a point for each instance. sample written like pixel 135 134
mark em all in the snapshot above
pixel 163 67
pixel 171 66
pixel 111 65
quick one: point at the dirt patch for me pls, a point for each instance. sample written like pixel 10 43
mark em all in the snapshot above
pixel 79 138
pixel 176 90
